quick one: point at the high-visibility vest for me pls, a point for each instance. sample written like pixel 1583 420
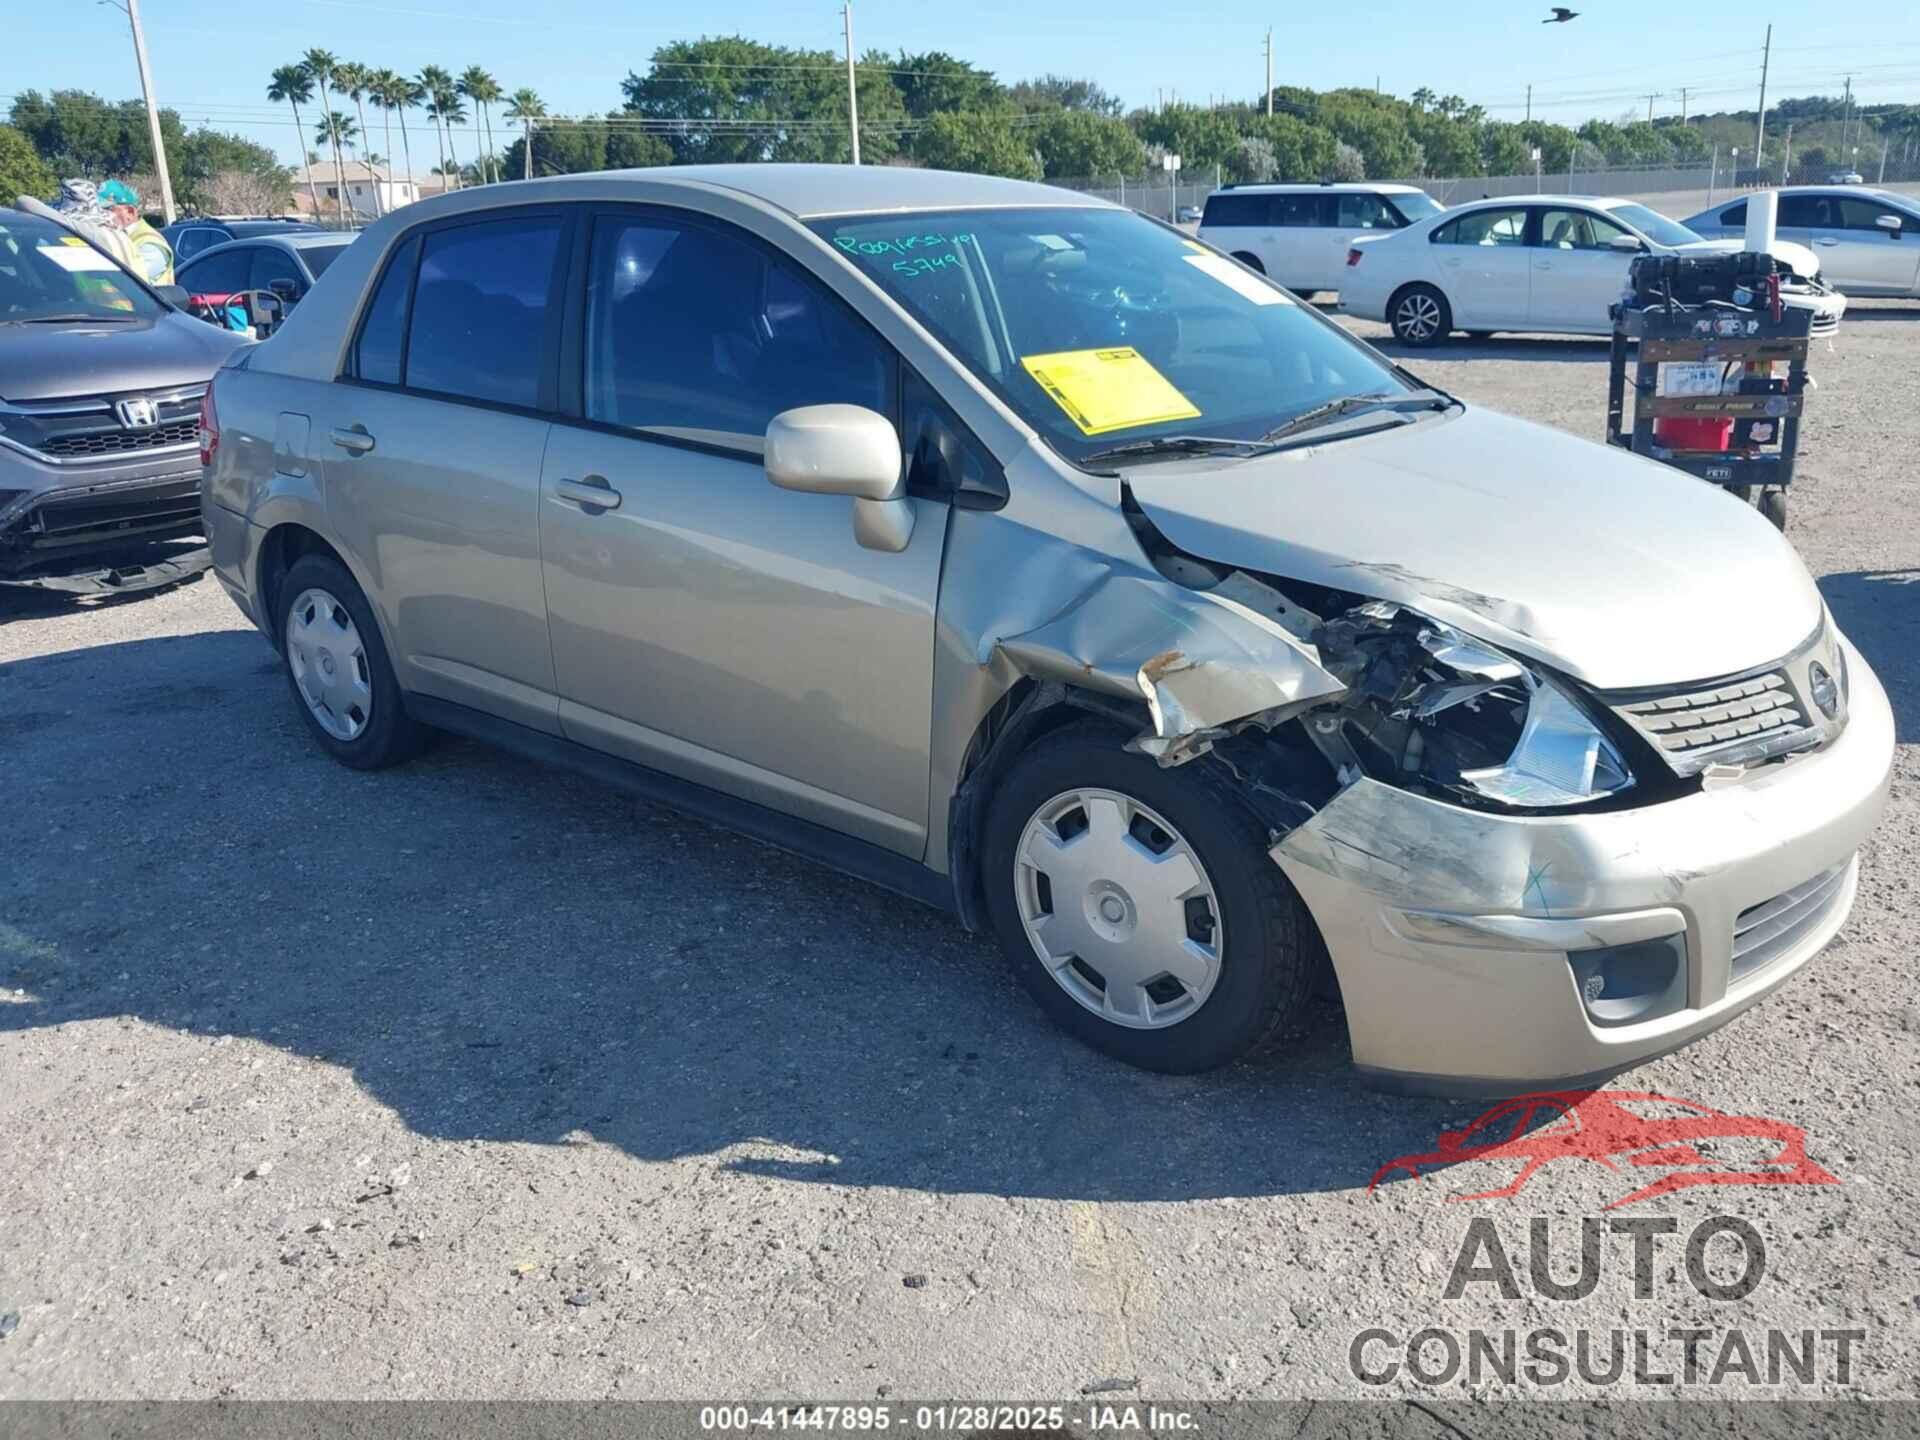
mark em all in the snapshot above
pixel 152 256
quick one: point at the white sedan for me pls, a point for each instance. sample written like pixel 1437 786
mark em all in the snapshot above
pixel 1549 263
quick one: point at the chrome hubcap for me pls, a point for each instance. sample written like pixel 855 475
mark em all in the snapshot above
pixel 1419 317
pixel 329 664
pixel 1118 908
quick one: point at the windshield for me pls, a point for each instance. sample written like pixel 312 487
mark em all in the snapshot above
pixel 319 257
pixel 1098 326
pixel 47 273
pixel 1416 205
pixel 1655 226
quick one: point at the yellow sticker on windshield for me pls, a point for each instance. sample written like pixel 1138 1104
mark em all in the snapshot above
pixel 1104 390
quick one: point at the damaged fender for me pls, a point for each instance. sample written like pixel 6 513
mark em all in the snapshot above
pixel 1202 661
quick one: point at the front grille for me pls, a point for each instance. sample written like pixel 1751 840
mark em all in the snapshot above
pixel 1765 932
pixel 148 510
pixel 85 428
pixel 118 442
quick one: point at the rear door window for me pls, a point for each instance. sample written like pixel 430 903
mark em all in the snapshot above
pixel 480 310
pixel 270 264
pixel 1484 227
pixel 1243 209
pixel 196 239
pixel 219 273
pixel 1805 212
pixel 1302 212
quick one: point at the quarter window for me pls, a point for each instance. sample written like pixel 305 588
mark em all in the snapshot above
pixel 1734 214
pixel 1484 227
pixel 697 334
pixel 1249 210
pixel 378 354
pixel 479 317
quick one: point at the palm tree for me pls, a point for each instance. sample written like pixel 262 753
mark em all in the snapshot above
pixel 481 88
pixel 336 130
pixel 526 106
pixel 290 83
pixel 351 80
pixel 320 66
pixel 380 90
pixel 443 103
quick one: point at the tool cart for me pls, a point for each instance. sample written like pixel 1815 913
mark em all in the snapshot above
pixel 1719 373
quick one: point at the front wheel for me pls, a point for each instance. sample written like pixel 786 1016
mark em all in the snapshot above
pixel 1773 505
pixel 1140 908
pixel 1420 316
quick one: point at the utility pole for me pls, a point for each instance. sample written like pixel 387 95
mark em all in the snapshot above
pixel 853 94
pixel 132 7
pixel 1846 114
pixel 1786 160
pixel 1269 70
pixel 528 123
pixel 1760 120
pixel 1650 99
pixel 1683 104
pixel 1529 104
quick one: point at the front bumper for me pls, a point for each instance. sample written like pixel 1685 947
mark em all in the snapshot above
pixel 1450 929
pixel 71 519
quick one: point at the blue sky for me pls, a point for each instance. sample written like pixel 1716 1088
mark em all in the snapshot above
pixel 211 57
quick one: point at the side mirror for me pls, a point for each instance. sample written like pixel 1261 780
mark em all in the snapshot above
pixel 1889 222
pixel 1629 243
pixel 287 290
pixel 174 295
pixel 845 450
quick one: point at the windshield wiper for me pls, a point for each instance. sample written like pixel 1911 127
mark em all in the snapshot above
pixel 1172 445
pixel 74 319
pixel 1355 405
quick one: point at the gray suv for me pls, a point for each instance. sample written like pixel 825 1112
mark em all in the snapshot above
pixel 1022 554
pixel 100 389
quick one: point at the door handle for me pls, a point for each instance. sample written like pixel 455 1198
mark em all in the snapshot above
pixel 1826 240
pixel 1543 264
pixel 354 440
pixel 592 494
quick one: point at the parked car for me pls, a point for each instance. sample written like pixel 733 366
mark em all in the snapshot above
pixel 220 281
pixel 101 380
pixel 1300 234
pixel 1188 214
pixel 1868 241
pixel 190 237
pixel 1542 263
pixel 1846 177
pixel 1021 554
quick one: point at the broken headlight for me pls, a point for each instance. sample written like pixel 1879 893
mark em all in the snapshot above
pixel 1430 706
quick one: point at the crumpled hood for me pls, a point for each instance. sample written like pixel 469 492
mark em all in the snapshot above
pixel 1615 569
pixel 51 362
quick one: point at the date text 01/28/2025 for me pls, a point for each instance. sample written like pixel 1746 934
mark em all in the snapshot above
pixel 945 1419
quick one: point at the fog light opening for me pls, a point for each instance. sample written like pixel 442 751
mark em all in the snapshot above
pixel 1626 984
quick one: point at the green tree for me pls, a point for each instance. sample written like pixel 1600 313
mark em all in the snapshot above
pixel 985 142
pixel 1386 146
pixel 1686 143
pixel 1301 150
pixel 1556 143
pixel 734 99
pixel 526 106
pixel 481 88
pixel 1646 144
pixel 1504 150
pixel 1252 162
pixel 443 104
pixel 22 171
pixel 320 66
pixel 937 81
pixel 1450 147
pixel 352 81
pixel 1077 143
pixel 292 84
pixel 1607 138
pixel 631 148
pixel 1201 138
pixel 395 94
pixel 1064 93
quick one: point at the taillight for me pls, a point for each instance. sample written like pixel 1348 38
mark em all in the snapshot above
pixel 1353 257
pixel 209 428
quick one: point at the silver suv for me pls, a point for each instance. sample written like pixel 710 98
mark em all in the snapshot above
pixel 1021 554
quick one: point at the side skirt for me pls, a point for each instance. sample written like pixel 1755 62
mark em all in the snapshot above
pixel 859 858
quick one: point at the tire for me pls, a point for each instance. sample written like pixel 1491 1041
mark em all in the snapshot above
pixel 1251 261
pixel 1773 505
pixel 1420 316
pixel 330 643
pixel 1266 953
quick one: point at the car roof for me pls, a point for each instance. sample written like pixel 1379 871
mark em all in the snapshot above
pixel 805 191
pixel 312 239
pixel 1296 187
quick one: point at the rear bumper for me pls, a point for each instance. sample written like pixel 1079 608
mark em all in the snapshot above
pixel 1451 929
pixel 70 519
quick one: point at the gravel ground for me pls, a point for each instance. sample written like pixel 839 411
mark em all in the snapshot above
pixel 469 1079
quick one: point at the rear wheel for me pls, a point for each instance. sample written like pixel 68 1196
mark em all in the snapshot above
pixel 1420 316
pixel 1140 908
pixel 1773 505
pixel 338 669
pixel 1251 261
